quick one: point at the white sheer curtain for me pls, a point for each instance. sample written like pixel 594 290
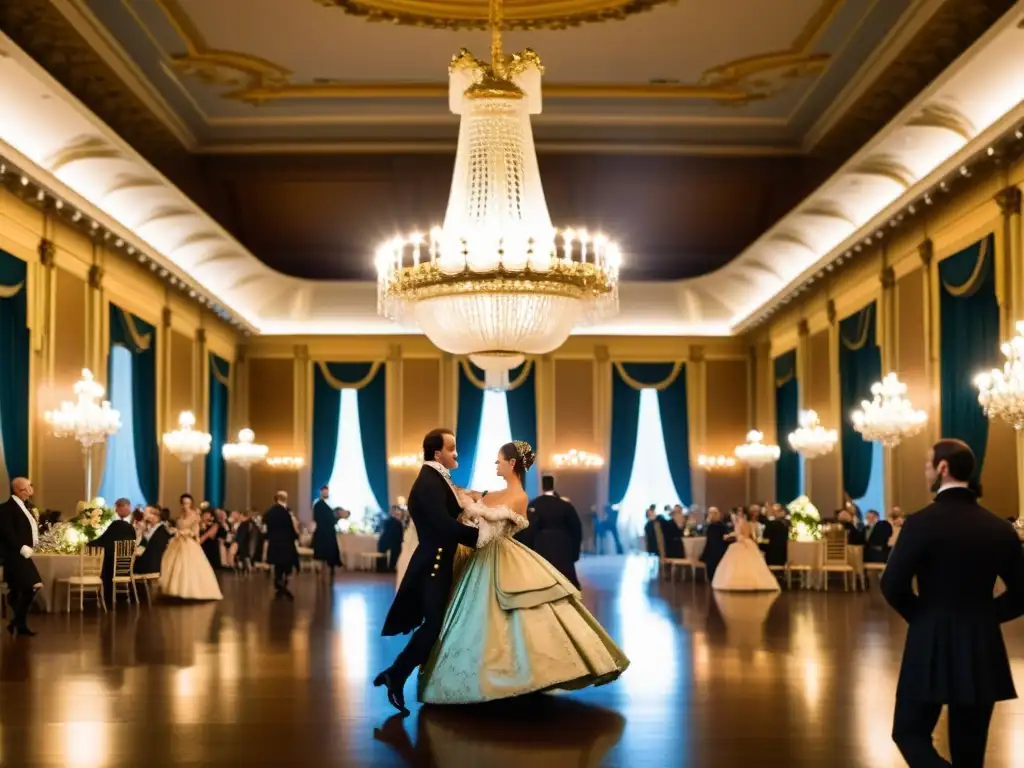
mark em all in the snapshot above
pixel 651 480
pixel 495 431
pixel 120 476
pixel 350 486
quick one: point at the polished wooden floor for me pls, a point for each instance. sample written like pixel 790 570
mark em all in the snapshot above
pixel 806 679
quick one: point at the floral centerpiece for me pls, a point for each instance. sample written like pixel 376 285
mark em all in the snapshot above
pixel 804 520
pixel 90 521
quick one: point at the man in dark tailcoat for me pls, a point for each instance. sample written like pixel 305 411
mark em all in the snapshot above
pixel 876 539
pixel 282 533
pixel 423 595
pixel 954 653
pixel 121 529
pixel 154 543
pixel 715 543
pixel 776 536
pixel 19 537
pixel 555 532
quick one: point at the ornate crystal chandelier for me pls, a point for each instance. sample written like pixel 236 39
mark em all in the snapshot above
pixel 185 443
pixel 497 281
pixel 812 440
pixel 574 459
pixel 889 418
pixel 89 420
pixel 1001 392
pixel 754 453
pixel 244 454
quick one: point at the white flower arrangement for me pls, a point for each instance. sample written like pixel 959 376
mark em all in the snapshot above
pixel 804 520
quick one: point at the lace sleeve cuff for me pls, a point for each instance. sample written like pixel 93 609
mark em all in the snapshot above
pixel 519 523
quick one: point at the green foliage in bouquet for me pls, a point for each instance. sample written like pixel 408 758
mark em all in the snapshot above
pixel 92 520
pixel 60 539
pixel 804 520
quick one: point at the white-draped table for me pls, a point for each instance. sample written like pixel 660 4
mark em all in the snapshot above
pixel 352 545
pixel 811 554
pixel 693 547
pixel 53 568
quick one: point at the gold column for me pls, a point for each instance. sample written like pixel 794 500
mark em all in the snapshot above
pixel 302 423
pixel 163 400
pixel 697 416
pixel 1009 201
pixel 835 396
pixel 42 321
pixel 236 481
pixel 603 418
pixel 200 404
pixel 544 370
pixel 395 371
pixel 803 351
pixel 886 332
pixel 926 253
pixel 449 373
pixel 97 345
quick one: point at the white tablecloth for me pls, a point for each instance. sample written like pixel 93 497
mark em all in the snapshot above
pixel 53 568
pixel 693 547
pixel 352 545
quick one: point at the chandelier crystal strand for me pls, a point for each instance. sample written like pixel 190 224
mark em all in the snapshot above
pixel 812 440
pixel 89 420
pixel 754 453
pixel 1001 392
pixel 185 443
pixel 497 281
pixel 889 418
pixel 245 453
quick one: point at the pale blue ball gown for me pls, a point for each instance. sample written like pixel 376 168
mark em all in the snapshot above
pixel 514 624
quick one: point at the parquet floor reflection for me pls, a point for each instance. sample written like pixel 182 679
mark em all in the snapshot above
pixel 802 679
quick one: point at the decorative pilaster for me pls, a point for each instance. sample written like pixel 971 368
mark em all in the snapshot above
pixel 889 354
pixel 163 383
pixel 603 417
pixel 42 321
pixel 449 410
pixel 97 332
pixel 926 254
pixel 803 351
pixel 201 404
pixel 238 418
pixel 395 387
pixel 302 423
pixel 1009 201
pixel 544 370
pixel 834 391
pixel 697 416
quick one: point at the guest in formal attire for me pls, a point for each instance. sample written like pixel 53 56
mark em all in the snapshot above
pixel 876 539
pixel 608 525
pixel 139 523
pixel 854 536
pixel 19 537
pixel 325 534
pixel 121 529
pixel 897 526
pixel 776 535
pixel 673 529
pixel 650 531
pixel 954 653
pixel 243 530
pixel 153 544
pixel 715 542
pixel 282 535
pixel 209 530
pixel 390 540
pixel 555 532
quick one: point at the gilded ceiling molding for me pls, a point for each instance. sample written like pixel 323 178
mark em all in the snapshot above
pixel 945 117
pixel 888 168
pixel 88 148
pixel 829 211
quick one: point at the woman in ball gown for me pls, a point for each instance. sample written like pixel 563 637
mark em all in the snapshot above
pixel 514 625
pixel 743 568
pixel 185 571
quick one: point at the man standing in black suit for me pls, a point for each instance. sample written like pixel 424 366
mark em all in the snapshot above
pixel 19 537
pixel 715 543
pixel 390 540
pixel 153 544
pixel 282 533
pixel 776 534
pixel 119 530
pixel 423 594
pixel 555 532
pixel 876 539
pixel 954 652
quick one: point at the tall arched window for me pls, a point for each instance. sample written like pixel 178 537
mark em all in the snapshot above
pixel 120 472
pixel 495 431
pixel 874 496
pixel 349 484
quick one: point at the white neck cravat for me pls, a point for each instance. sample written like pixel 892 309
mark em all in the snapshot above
pixel 31 520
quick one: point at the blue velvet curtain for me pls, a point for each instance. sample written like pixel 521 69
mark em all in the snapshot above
pixel 625 420
pixel 968 340
pixel 14 352
pixel 218 390
pixel 522 417
pixel 370 379
pixel 467 423
pixel 139 338
pixel 860 366
pixel 787 419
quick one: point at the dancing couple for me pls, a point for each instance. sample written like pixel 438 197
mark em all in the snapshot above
pixel 513 624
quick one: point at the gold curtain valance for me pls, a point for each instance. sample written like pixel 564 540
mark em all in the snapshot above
pixel 142 341
pixel 337 383
pixel 223 378
pixel 863 327
pixel 513 383
pixel 665 383
pixel 977 276
pixel 783 381
pixel 10 291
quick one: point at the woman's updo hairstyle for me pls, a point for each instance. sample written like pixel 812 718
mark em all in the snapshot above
pixel 522 453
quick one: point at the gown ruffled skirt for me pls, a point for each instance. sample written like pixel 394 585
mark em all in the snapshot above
pixel 515 626
pixel 743 569
pixel 185 571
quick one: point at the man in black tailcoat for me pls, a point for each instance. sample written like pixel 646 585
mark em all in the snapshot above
pixel 555 532
pixel 423 595
pixel 954 652
pixel 282 534
pixel 121 529
pixel 715 543
pixel 876 539
pixel 776 536
pixel 19 537
pixel 154 543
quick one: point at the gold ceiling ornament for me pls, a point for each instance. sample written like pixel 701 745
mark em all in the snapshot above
pixel 497 281
pixel 470 15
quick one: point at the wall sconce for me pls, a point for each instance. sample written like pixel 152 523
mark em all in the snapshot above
pixel 577 460
pixel 405 461
pixel 286 463
pixel 712 463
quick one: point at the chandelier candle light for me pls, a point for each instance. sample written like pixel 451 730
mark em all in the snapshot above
pixel 244 454
pixel 711 463
pixel 574 459
pixel 1001 392
pixel 286 463
pixel 889 418
pixel 406 461
pixel 754 453
pixel 185 443
pixel 90 420
pixel 812 440
pixel 497 281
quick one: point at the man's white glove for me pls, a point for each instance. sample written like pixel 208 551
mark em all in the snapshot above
pixel 26 552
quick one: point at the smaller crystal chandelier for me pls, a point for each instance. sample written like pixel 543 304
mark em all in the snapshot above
pixel 711 463
pixel 889 418
pixel 754 453
pixel 244 454
pixel 286 463
pixel 89 420
pixel 185 443
pixel 574 459
pixel 405 461
pixel 1001 392
pixel 812 440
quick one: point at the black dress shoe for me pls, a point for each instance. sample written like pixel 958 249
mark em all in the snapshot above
pixel 26 632
pixel 396 694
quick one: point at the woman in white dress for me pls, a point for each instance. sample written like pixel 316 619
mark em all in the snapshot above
pixel 409 543
pixel 185 571
pixel 743 568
